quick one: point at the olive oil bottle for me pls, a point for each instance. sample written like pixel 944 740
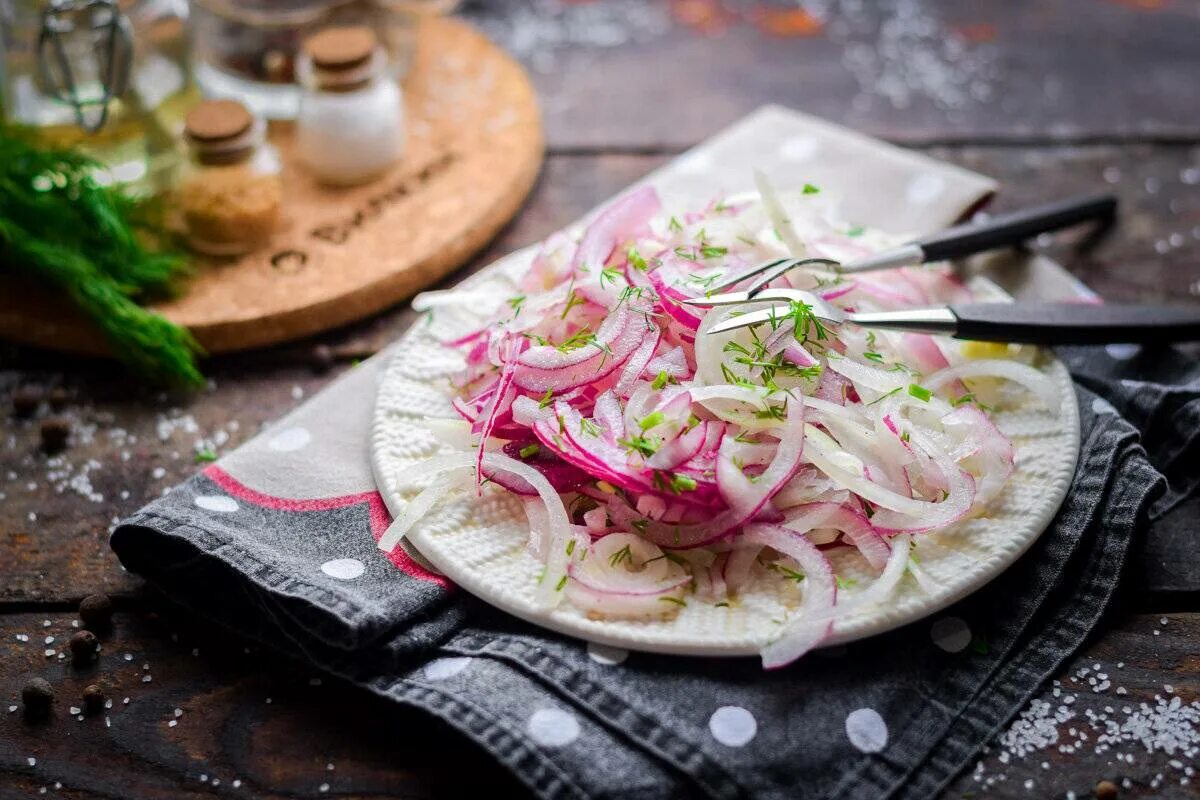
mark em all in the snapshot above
pixel 110 78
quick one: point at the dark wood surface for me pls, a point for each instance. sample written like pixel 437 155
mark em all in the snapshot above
pixel 1081 94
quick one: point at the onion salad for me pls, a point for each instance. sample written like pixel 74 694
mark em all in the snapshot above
pixel 661 466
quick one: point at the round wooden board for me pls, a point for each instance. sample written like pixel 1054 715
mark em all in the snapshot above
pixel 473 152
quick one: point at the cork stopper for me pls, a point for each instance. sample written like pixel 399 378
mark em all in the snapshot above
pixel 338 49
pixel 216 121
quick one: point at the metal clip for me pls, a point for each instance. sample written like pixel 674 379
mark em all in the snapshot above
pixel 108 30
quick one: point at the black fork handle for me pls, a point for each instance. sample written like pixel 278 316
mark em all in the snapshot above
pixel 1076 323
pixel 1007 230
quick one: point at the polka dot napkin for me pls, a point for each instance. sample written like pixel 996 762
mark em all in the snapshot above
pixel 276 540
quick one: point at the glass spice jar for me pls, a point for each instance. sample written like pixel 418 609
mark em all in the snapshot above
pixel 350 125
pixel 248 48
pixel 229 194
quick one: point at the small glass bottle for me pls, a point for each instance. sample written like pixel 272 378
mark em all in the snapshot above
pixel 350 126
pixel 229 193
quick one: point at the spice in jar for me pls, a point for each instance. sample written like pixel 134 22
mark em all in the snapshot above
pixel 229 193
pixel 350 126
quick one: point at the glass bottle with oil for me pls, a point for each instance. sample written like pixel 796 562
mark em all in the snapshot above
pixel 108 77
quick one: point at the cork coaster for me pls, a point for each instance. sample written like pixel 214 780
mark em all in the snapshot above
pixel 474 149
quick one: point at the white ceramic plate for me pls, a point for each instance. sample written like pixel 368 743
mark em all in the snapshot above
pixel 480 542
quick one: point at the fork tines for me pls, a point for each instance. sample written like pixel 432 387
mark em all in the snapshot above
pixel 768 271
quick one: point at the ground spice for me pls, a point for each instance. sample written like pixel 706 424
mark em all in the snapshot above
pixel 229 206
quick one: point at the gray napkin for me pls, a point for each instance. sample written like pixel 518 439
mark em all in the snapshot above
pixel 277 541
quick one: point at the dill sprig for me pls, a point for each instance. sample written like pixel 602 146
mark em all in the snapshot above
pixel 99 246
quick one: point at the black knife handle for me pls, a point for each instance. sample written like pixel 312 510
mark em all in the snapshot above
pixel 1007 230
pixel 1075 323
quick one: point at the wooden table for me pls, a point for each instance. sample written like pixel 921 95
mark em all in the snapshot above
pixel 1050 98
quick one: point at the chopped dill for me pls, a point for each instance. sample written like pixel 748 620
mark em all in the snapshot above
pixel 639 444
pixel 789 573
pixel 885 394
pixel 635 259
pixel 650 420
pixel 573 299
pixel 919 392
pixel 682 483
pixel 621 556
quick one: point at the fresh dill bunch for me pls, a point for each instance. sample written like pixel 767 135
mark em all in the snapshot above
pixel 98 245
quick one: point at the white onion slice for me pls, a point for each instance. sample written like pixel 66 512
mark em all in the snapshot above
pixel 1041 386
pixel 806 628
pixel 778 216
pixel 549 591
pixel 625 576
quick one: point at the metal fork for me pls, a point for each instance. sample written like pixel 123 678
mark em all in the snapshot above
pixel 1026 323
pixel 956 242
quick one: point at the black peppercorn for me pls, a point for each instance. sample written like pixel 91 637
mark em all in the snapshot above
pixel 84 646
pixel 58 397
pixel 96 611
pixel 37 695
pixel 55 432
pixel 322 358
pixel 93 699
pixel 25 401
